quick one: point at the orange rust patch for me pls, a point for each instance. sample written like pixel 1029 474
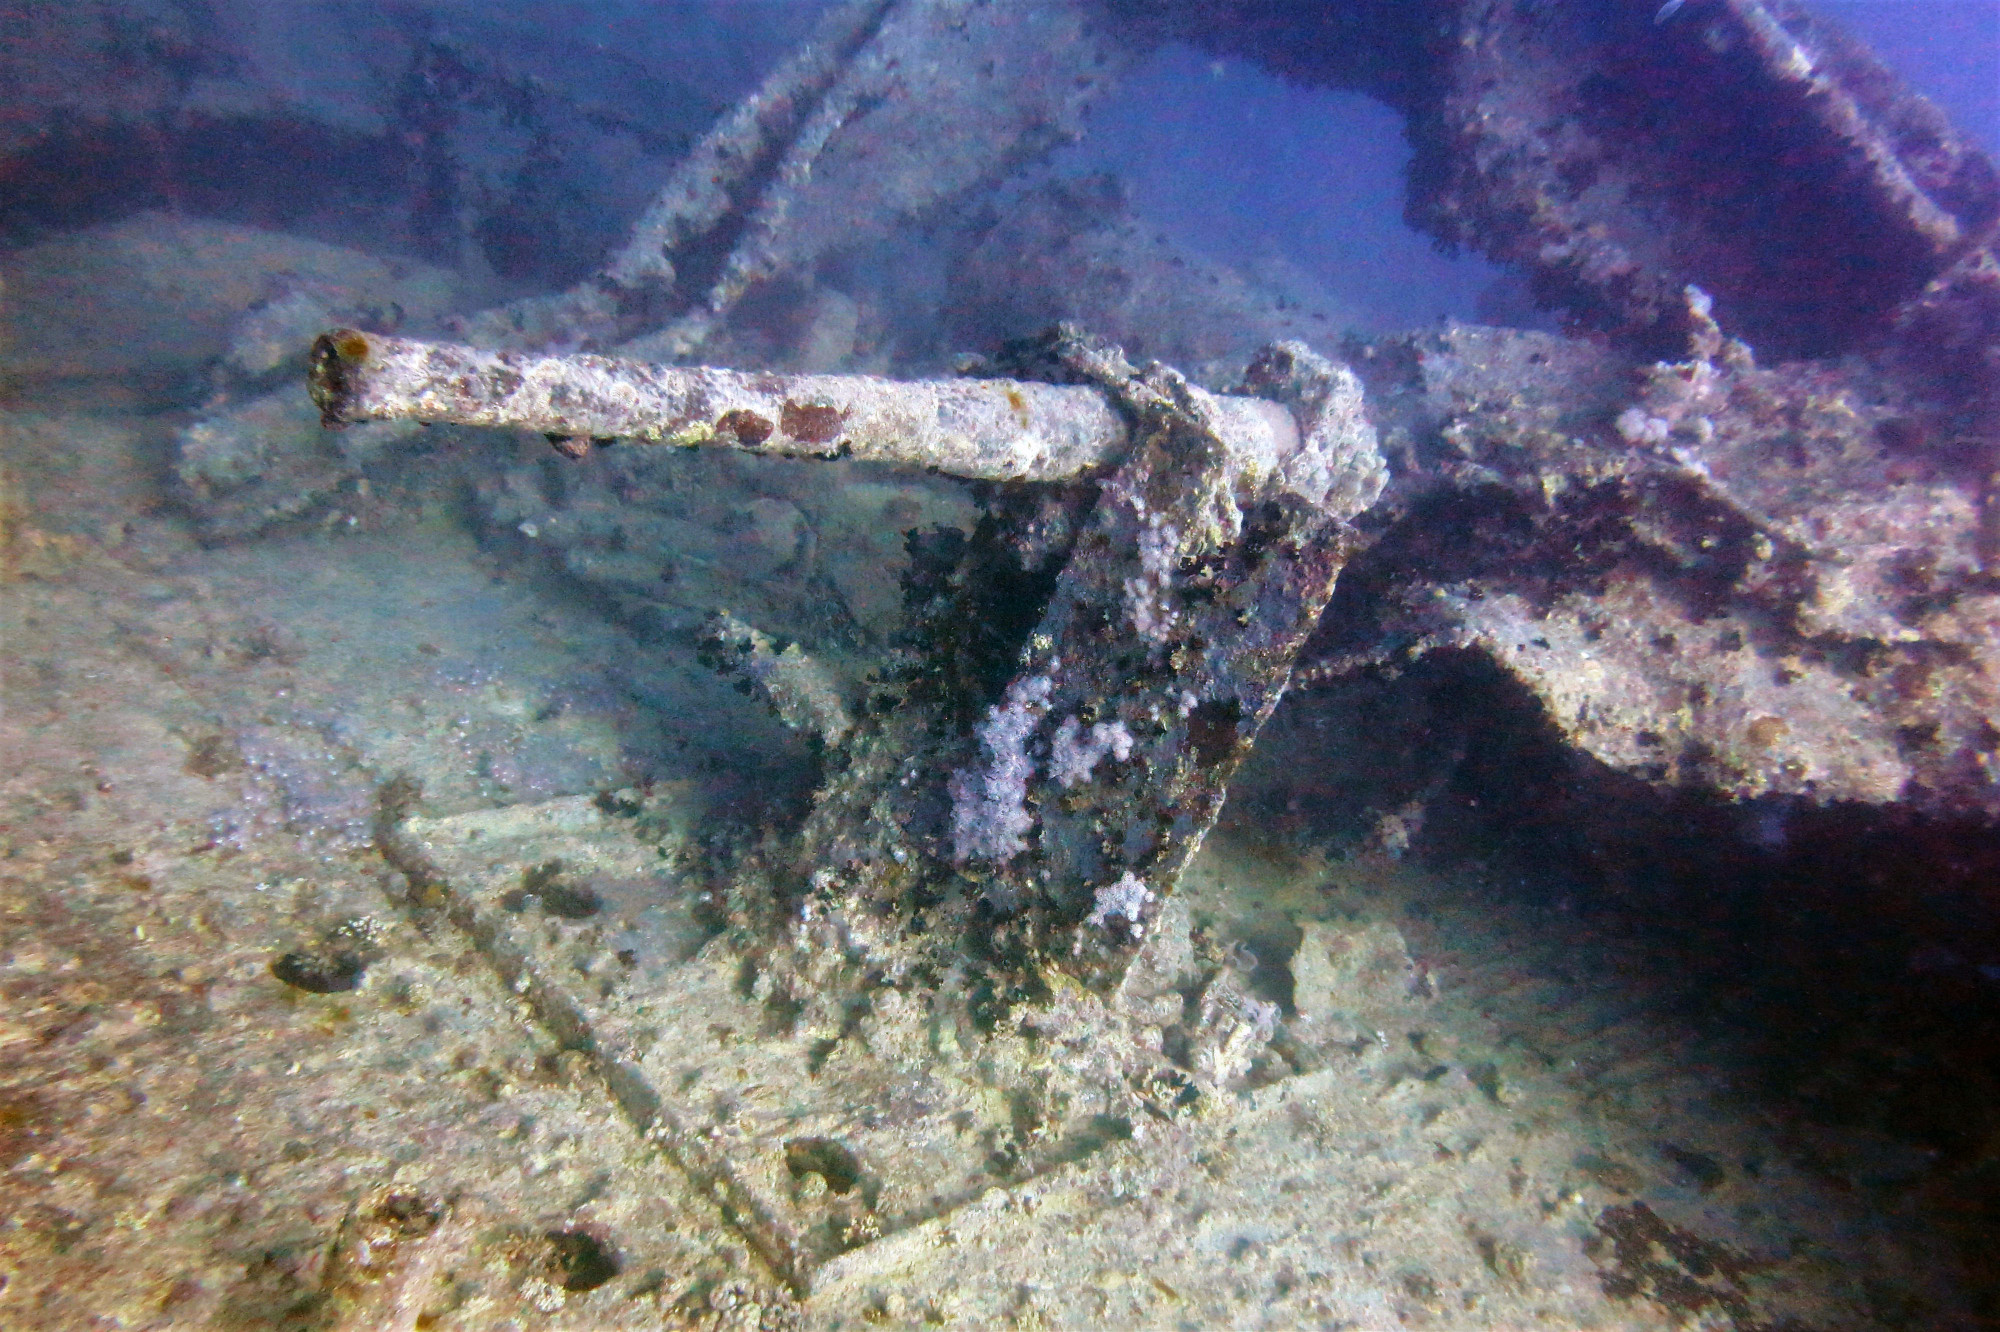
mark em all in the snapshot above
pixel 1019 404
pixel 1764 732
pixel 351 345
pixel 748 427
pixel 811 423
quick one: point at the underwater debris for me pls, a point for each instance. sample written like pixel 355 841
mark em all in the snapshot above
pixel 326 972
pixel 835 145
pixel 1167 637
pixel 1835 677
pixel 801 691
pixel 1612 158
pixel 1735 580
pixel 998 430
pixel 1300 1095
pixel 789 110
pixel 1244 564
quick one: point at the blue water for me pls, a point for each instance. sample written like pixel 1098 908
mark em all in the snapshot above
pixel 1250 169
pixel 1949 50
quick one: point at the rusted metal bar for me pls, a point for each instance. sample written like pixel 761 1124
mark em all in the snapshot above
pixel 709 185
pixel 984 429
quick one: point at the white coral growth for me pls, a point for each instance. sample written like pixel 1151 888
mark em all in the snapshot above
pixel 989 814
pixel 1124 900
pixel 1148 595
pixel 1074 753
pixel 1637 427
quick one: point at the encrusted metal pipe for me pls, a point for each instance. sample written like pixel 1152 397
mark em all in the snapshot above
pixel 986 429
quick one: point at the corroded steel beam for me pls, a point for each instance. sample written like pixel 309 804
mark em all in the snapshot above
pixel 984 429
